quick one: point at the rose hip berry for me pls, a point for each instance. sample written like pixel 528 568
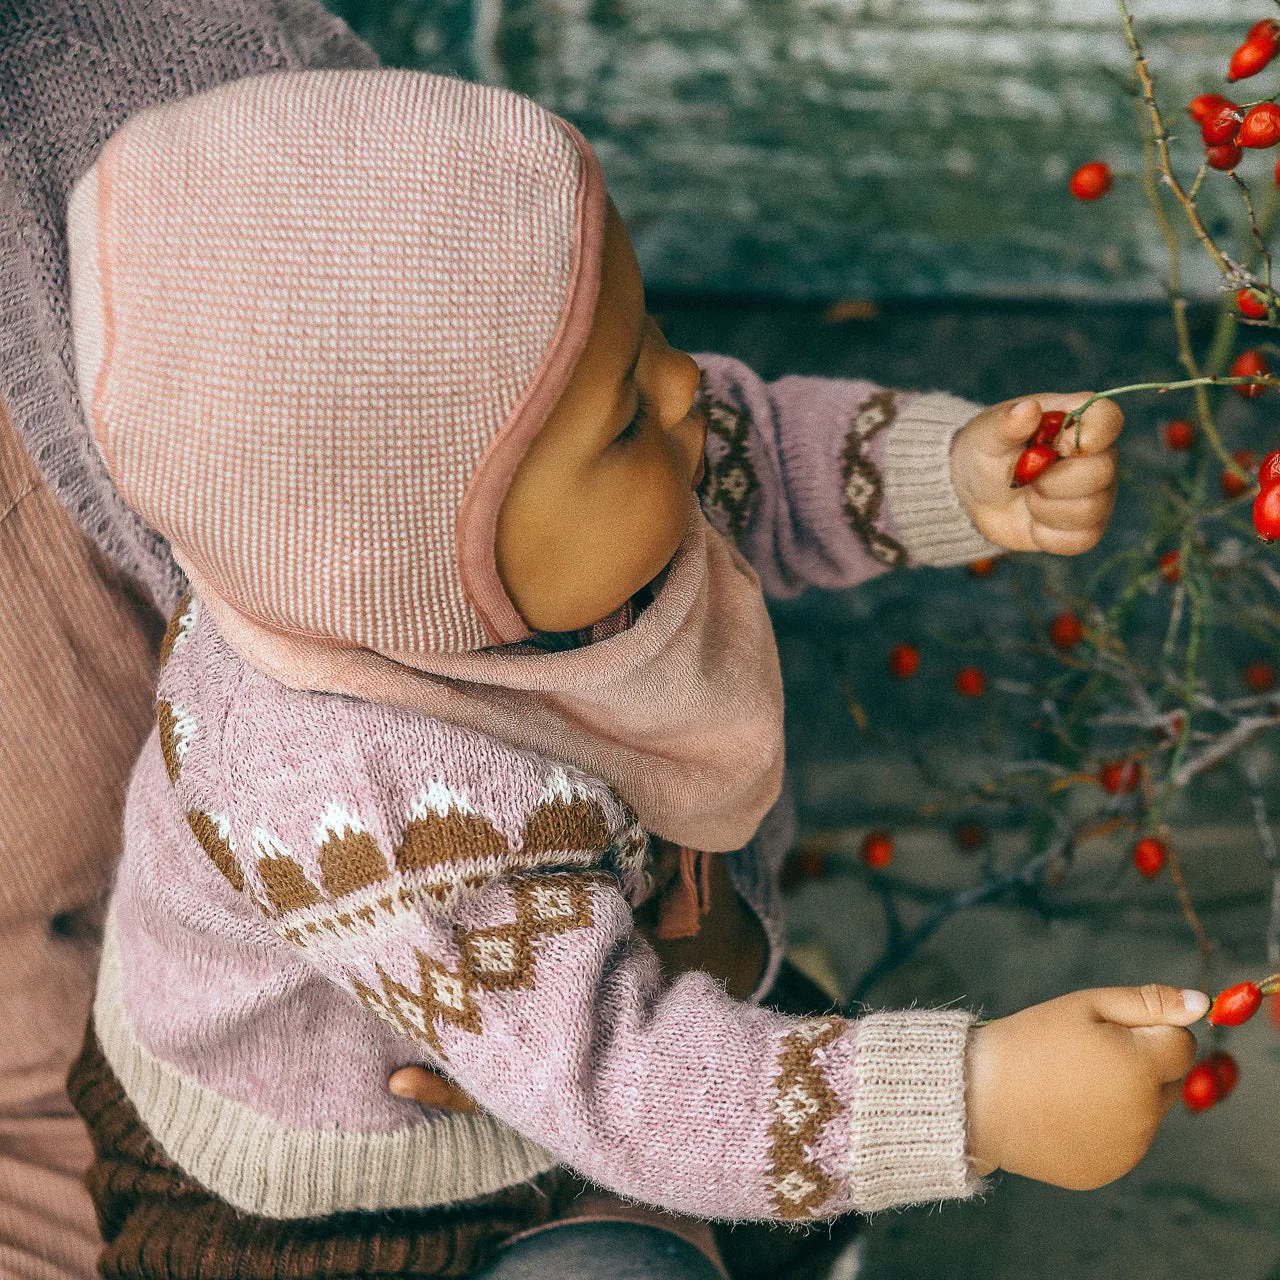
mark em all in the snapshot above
pixel 1250 364
pixel 1179 435
pixel 1227 1070
pixel 877 849
pixel 1232 485
pixel 1266 513
pixel 971 836
pixel 1149 856
pixel 1261 126
pixel 1091 181
pixel 984 568
pixel 1066 631
pixel 970 682
pixel 1249 302
pixel 1170 566
pixel 1251 57
pixel 1236 1004
pixel 1050 427
pixel 1269 471
pixel 1225 157
pixel 1205 104
pixel 1118 777
pixel 1031 462
pixel 1260 676
pixel 904 661
pixel 1220 126
pixel 1200 1087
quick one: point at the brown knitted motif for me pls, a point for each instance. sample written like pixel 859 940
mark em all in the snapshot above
pixel 157 1223
pixel 497 958
pixel 729 482
pixel 214 839
pixel 803 1102
pixel 863 487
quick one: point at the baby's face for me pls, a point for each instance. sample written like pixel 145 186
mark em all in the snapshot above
pixel 599 502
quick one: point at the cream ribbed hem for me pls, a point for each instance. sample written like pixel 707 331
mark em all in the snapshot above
pixel 908 1122
pixel 263 1167
pixel 927 516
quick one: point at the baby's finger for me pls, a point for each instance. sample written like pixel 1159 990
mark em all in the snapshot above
pixel 1016 423
pixel 1151 1005
pixel 1099 429
pixel 1078 477
pixel 1092 512
pixel 1169 1050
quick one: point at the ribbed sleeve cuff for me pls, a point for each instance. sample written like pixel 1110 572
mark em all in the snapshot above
pixel 921 500
pixel 908 1122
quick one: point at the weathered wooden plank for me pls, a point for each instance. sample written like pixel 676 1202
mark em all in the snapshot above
pixel 819 148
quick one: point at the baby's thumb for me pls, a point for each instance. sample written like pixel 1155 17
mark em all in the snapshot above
pixel 1017 424
pixel 1152 1005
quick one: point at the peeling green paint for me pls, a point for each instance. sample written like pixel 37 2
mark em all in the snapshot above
pixel 826 148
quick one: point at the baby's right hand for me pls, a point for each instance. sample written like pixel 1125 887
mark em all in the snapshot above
pixel 1072 1091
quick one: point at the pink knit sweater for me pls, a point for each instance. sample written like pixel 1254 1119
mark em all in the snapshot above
pixel 316 890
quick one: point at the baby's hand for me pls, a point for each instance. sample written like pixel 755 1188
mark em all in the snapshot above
pixel 1066 508
pixel 1071 1092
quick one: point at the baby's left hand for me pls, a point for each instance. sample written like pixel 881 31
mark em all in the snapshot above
pixel 1066 508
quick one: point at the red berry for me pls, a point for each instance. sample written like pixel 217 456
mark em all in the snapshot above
pixel 1249 302
pixel 1266 513
pixel 877 849
pixel 1091 181
pixel 1170 566
pixel 970 682
pixel 1149 856
pixel 1050 426
pixel 1031 462
pixel 1266 29
pixel 904 661
pixel 1250 58
pixel 1277 174
pixel 1200 1088
pixel 1205 104
pixel 1273 1010
pixel 1260 676
pixel 1269 471
pixel 1236 1004
pixel 1231 483
pixel 1066 631
pixel 1261 126
pixel 1248 364
pixel 1220 127
pixel 984 568
pixel 1179 434
pixel 971 836
pixel 1225 157
pixel 1119 776
pixel 1227 1070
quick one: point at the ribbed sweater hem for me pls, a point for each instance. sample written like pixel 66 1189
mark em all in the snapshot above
pixel 264 1167
pixel 927 515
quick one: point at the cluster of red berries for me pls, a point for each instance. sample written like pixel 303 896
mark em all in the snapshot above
pixel 1039 451
pixel 1226 129
pixel 1209 1081
pixel 1266 506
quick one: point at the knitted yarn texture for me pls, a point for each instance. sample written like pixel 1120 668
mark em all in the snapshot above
pixel 70 75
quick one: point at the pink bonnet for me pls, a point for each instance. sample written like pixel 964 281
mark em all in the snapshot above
pixel 318 317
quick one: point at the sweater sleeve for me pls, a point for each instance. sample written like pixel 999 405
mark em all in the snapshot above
pixel 479 901
pixel 826 481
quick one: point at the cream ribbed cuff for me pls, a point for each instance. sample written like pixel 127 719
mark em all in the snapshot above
pixel 921 500
pixel 908 1122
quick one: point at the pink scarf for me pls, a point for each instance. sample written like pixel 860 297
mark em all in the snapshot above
pixel 318 318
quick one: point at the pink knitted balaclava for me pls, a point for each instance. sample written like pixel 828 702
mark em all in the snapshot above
pixel 318 318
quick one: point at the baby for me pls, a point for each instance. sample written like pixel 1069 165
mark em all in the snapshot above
pixel 475 675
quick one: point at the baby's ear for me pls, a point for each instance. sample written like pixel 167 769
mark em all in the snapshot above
pixel 88 320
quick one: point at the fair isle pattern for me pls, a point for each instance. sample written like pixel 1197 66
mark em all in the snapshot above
pixel 497 958
pixel 730 481
pixel 213 834
pixel 181 626
pixel 802 1103
pixel 177 728
pixel 863 491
